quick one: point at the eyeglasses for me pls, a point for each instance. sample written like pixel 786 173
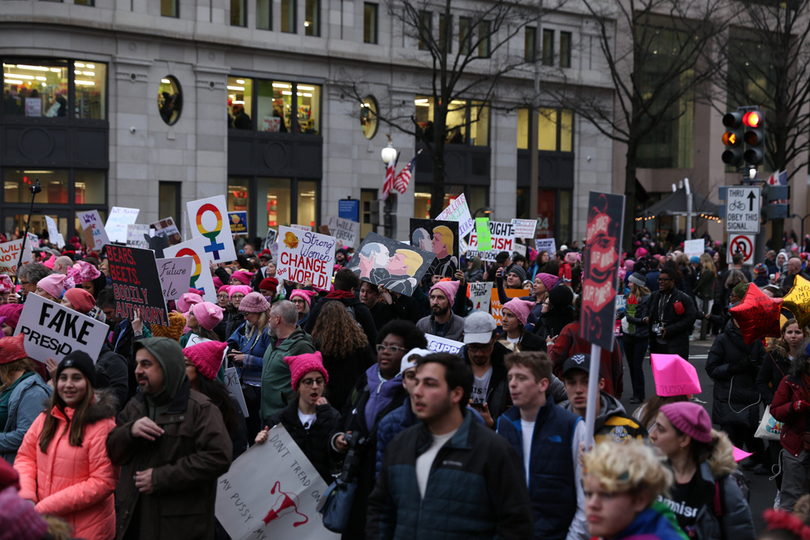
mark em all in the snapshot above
pixel 237 296
pixel 664 279
pixel 392 348
pixel 479 348
pixel 309 382
pixel 299 301
pixel 222 296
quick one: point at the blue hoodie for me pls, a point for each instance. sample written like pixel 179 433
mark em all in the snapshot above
pixel 381 392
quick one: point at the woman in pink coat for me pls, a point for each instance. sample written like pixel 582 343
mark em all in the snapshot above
pixel 63 463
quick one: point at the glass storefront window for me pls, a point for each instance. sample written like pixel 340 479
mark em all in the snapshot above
pixel 461 115
pixel 91 187
pixel 307 207
pixel 274 106
pixel 240 100
pixel 546 212
pixel 90 79
pixel 35 88
pixel 309 108
pixel 54 186
pixel 275 193
pixel 238 194
pixel 170 100
pixel 368 117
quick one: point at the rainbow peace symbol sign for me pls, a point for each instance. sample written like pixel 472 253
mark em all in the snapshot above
pixel 188 252
pixel 214 246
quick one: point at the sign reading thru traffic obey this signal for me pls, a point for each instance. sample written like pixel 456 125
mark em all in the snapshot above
pixel 742 209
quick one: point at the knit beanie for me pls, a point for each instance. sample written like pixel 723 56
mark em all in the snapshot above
pixel 304 363
pixel 254 303
pixel 19 520
pixel 549 280
pixel 243 277
pixel 208 315
pixel 81 361
pixel 303 293
pixel 560 296
pixel 83 271
pixel 760 269
pixel 694 259
pixel 641 252
pixel 206 357
pixel 448 288
pixel 638 279
pixel 740 289
pixel 6 286
pixel 12 314
pixel 53 284
pixel 217 283
pixel 81 300
pixel 270 284
pixel 241 289
pixel 12 348
pixel 691 419
pixel 177 322
pixel 629 265
pixel 519 272
pixel 520 308
pixel 188 299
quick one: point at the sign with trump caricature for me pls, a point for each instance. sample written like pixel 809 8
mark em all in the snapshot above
pixel 396 266
pixel 441 238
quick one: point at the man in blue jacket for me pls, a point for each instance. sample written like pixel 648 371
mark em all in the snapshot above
pixel 547 438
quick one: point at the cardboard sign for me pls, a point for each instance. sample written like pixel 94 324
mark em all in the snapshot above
pixel 53 232
pixel 440 344
pixel 136 236
pixel 92 220
pixel 272 491
pixel 346 231
pixel 200 275
pixel 524 228
pixel 441 238
pixel 52 330
pixel 206 219
pixel 117 222
pixel 603 242
pixel 270 239
pixel 503 239
pixel 305 256
pixel 136 284
pixel 175 276
pixel 238 223
pixel 458 211
pixel 10 256
pixel 694 248
pixel 235 387
pixel 396 266
pixel 546 244
pixel 519 248
pixel 301 227
pixel 480 294
pixel 496 304
pixel 166 227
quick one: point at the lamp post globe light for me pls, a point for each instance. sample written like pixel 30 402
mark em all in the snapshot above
pixel 388 155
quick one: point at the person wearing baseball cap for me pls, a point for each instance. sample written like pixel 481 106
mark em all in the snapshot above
pixel 485 355
pixel 612 421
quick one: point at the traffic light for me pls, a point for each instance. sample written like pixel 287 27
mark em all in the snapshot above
pixel 774 207
pixel 733 138
pixel 754 138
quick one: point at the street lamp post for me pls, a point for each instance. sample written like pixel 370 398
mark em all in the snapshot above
pixel 796 216
pixel 388 154
pixel 486 210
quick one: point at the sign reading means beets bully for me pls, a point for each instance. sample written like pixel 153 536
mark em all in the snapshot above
pixel 441 238
pixel 305 256
pixel 396 266
pixel 603 241
pixel 136 284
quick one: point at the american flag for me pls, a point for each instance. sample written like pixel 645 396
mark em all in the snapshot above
pixel 404 177
pixel 389 179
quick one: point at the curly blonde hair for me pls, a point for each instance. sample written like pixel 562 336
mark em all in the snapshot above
pixel 632 466
pixel 336 333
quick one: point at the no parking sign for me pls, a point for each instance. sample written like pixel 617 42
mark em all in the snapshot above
pixel 743 244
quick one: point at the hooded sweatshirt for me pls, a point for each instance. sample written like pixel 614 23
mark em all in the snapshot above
pixel 612 423
pixel 170 357
pixel 381 392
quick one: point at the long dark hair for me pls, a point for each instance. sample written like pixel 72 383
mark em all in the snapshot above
pixel 76 425
pixel 219 394
pixel 653 405
pixel 799 365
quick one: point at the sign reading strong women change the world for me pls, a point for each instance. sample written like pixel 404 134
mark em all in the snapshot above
pixel 305 256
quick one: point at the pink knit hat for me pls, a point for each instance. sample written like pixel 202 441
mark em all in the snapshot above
pixel 573 257
pixel 521 309
pixel 185 302
pixel 6 286
pixel 217 283
pixel 83 271
pixel 674 376
pixel 641 252
pixel 305 294
pixel 53 284
pixel 254 303
pixel 242 276
pixel 206 357
pixel 49 263
pixel 549 280
pixel 81 300
pixel 244 289
pixel 449 288
pixel 304 363
pixel 12 314
pixel 208 315
pixel 691 418
pixel 19 519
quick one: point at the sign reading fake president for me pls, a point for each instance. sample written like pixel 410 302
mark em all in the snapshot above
pixel 305 256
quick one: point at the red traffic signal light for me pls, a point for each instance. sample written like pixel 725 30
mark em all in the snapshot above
pixel 752 119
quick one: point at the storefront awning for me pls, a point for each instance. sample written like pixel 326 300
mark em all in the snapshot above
pixel 675 205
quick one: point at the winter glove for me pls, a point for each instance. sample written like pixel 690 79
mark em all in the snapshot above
pixel 799 406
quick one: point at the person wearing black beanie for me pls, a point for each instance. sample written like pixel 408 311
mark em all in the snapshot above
pixel 81 361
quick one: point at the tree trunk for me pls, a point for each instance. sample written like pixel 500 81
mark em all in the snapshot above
pixel 630 196
pixel 437 190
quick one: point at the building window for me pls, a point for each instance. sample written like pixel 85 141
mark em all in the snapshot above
pixel 464 35
pixel 555 130
pixel 90 80
pixel 288 16
pixel 312 18
pixel 463 118
pixel 271 202
pixel 264 15
pixel 91 187
pixel 240 103
pixel 275 106
pixel 548 47
pixel 238 13
pixel 530 44
pixel 281 106
pixel 170 100
pixel 368 117
pixel 483 39
pixel 565 49
pixel 367 211
pixel 238 189
pixel 445 33
pixel 477 197
pixel 170 201
pixel 84 3
pixel 309 114
pixel 370 23
pixel 425 29
pixel 169 8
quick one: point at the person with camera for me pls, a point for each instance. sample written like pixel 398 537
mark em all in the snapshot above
pixel 671 319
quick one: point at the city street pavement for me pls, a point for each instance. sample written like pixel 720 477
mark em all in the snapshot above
pixel 763 490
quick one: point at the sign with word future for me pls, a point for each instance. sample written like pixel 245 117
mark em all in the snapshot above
pixel 742 209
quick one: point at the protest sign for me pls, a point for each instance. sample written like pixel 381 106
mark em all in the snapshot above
pixel 272 491
pixel 324 229
pixel 53 330
pixel 524 228
pixel 53 232
pixel 546 244
pixel 205 218
pixel 136 284
pixel 305 256
pixel 200 274
pixel 301 227
pixel 503 239
pixel 520 249
pixel 238 223
pixel 458 211
pixel 694 248
pixel 92 220
pixel 235 387
pixel 496 303
pixel 270 239
pixel 480 294
pixel 441 238
pixel 346 231
pixel 166 227
pixel 603 240
pixel 483 236
pixel 175 276
pixel 117 222
pixel 135 236
pixel 10 256
pixel 440 344
pixel 396 266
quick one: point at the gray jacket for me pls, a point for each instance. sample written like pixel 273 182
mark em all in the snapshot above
pixel 26 402
pixel 453 329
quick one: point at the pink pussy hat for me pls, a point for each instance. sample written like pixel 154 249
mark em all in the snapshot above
pixel 188 299
pixel 674 376
pixel 520 308
pixel 208 315
pixel 449 288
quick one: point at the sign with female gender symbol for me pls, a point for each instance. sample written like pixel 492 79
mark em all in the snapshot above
pixel 200 274
pixel 206 220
